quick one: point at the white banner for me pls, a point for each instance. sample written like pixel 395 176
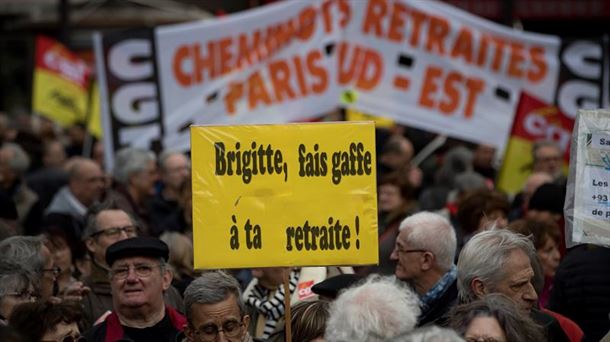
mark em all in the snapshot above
pixel 422 63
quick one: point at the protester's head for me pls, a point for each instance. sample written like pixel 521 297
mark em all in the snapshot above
pixel 309 320
pixel 136 169
pixel 483 156
pixel 395 193
pixel 47 321
pixel 270 277
pixel 547 202
pixel 495 318
pixel 14 162
pixel 498 261
pixel 482 209
pixel 106 224
pixel 432 333
pixel 376 310
pixel 86 181
pixel 533 181
pixel 214 308
pixel 397 152
pixel 76 133
pixel 174 167
pixel 31 253
pixel 138 274
pixel 546 237
pixel 16 287
pixel 425 249
pixel 456 161
pixel 180 253
pixel 53 154
pixel 546 157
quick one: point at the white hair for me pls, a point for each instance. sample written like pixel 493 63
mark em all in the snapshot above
pixel 484 257
pixel 376 310
pixel 20 161
pixel 130 160
pixel 433 233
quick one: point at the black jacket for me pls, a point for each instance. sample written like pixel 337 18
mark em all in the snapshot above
pixel 437 313
pixel 581 289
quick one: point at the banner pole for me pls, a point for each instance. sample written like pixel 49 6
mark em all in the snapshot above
pixel 287 313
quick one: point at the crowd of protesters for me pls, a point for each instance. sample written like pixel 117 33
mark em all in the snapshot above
pixel 87 255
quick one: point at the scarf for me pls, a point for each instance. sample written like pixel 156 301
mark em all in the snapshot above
pixel 271 306
pixel 114 330
pixel 439 288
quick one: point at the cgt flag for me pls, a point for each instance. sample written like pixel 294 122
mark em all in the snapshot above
pixel 534 121
pixel 61 83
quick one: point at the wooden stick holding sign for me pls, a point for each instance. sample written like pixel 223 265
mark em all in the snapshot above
pixel 287 312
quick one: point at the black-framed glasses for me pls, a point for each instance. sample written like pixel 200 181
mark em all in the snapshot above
pixel 209 332
pixel 406 251
pixel 114 232
pixel 141 270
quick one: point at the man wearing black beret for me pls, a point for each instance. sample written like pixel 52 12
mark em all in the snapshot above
pixel 138 278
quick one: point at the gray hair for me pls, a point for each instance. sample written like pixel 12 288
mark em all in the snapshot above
pixel 13 277
pixel 91 217
pixel 432 333
pixel 516 326
pixel 166 154
pixel 433 233
pixel 20 161
pixel 484 257
pixel 130 160
pixel 211 288
pixel 24 251
pixel 378 309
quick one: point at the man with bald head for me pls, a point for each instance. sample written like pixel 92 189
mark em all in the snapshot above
pixel 85 187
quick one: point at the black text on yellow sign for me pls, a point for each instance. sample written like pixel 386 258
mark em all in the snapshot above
pixel 250 209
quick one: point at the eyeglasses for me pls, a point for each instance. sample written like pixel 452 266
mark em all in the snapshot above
pixel 209 332
pixel 405 251
pixel 130 231
pixel 142 271
pixel 482 339
pixel 56 270
pixel 24 295
pixel 70 338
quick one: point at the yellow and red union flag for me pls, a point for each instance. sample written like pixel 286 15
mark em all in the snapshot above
pixel 534 121
pixel 60 83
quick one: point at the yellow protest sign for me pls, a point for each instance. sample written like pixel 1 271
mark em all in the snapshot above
pixel 284 195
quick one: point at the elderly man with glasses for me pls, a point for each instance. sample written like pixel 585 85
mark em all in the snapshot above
pixel 215 310
pixel 31 253
pixel 107 224
pixel 139 276
pixel 425 250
